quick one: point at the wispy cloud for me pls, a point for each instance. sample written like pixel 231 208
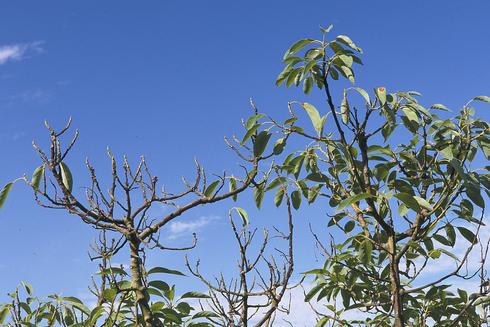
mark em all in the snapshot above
pixel 19 51
pixel 181 228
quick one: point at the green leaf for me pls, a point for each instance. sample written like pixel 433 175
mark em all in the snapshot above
pixel 410 114
pixel 297 47
pixel 349 226
pixel 451 234
pixel 279 196
pixel 195 295
pixel 37 176
pixel 4 193
pixel 308 85
pixel 252 120
pixel 211 188
pixel 232 186
pixel 113 270
pixel 381 94
pixel 243 214
pixel 279 146
pixel 483 98
pixel 275 183
pixel 365 252
pixel 3 314
pixel 159 284
pixel 28 288
pixel 439 106
pixel 315 118
pixel 313 292
pixel 423 203
pixel 344 109
pixel 352 199
pixel 409 201
pixel 162 270
pixel 364 94
pixel 259 196
pixel 348 42
pixel 261 143
pixel 467 234
pixel 348 73
pixel 249 133
pixel 296 199
pixel 205 314
pixel 66 176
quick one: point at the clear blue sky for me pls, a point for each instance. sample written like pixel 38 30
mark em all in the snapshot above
pixel 169 79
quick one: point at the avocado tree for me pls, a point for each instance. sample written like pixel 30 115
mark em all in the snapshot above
pixel 401 182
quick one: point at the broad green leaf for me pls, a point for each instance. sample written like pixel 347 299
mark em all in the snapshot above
pixel 313 292
pixel 296 199
pixel 352 199
pixel 297 47
pixel 4 193
pixel 3 314
pixel 365 252
pixel 66 176
pixel 159 284
pixel 259 196
pixel 409 201
pixel 279 146
pixel 249 133
pixel 211 188
pixel 195 295
pixel 162 270
pixel 308 85
pixel 261 143
pixel 37 176
pixel 348 73
pixel 467 234
pixel 364 94
pixel 423 203
pixel 348 42
pixel 410 114
pixel 28 288
pixel 451 234
pixel 315 118
pixel 349 226
pixel 252 120
pixel 279 196
pixel 243 214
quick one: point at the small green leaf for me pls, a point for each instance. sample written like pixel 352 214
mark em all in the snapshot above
pixel 279 196
pixel 205 314
pixel 195 295
pixel 243 214
pixel 381 94
pixel 66 176
pixel 352 199
pixel 439 106
pixel 409 200
pixel 232 186
pixel 348 42
pixel 315 118
pixel 344 109
pixel 37 176
pixel 297 47
pixel 249 133
pixel 162 270
pixel 296 199
pixel 364 94
pixel 4 193
pixel 365 252
pixel 261 143
pixel 423 203
pixel 211 188
pixel 467 234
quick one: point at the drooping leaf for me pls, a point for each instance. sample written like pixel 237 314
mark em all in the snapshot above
pixel 315 118
pixel 344 109
pixel 296 199
pixel 66 176
pixel 467 234
pixel 483 98
pixel 243 214
pixel 348 42
pixel 37 176
pixel 4 193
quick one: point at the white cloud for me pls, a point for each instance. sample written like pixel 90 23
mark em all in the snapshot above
pixel 182 228
pixel 15 52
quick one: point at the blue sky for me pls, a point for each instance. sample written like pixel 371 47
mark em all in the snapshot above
pixel 169 79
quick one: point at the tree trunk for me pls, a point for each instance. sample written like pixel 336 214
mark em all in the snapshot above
pixel 137 285
pixel 395 285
